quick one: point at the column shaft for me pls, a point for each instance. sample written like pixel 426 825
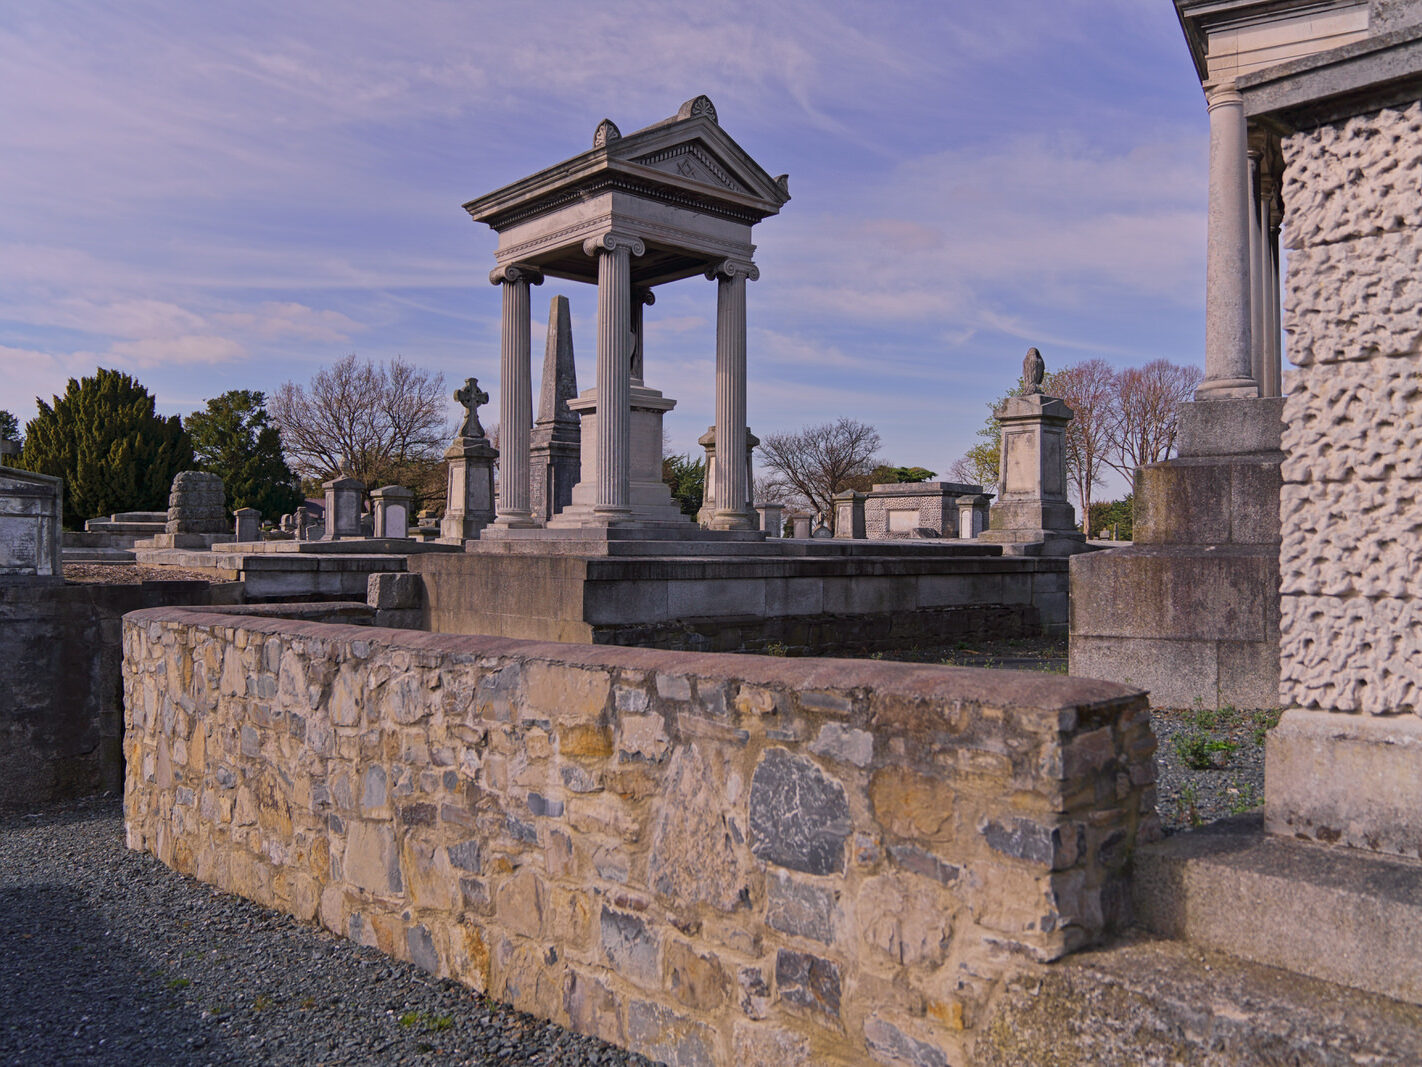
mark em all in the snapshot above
pixel 515 397
pixel 731 489
pixel 1228 370
pixel 1256 275
pixel 614 373
pixel 1274 352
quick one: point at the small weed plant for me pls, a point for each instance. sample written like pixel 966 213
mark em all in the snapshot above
pixel 1188 806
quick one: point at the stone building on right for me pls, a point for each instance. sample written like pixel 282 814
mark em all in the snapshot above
pixel 1345 762
pixel 1191 611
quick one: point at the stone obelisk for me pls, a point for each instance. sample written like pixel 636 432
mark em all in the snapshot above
pixel 556 454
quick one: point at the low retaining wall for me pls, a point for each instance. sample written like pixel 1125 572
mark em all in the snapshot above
pixel 61 695
pixel 706 858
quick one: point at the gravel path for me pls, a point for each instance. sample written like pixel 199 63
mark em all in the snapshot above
pixel 108 957
pixel 129 574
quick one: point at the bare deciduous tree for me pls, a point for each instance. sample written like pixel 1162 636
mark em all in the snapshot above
pixel 1148 399
pixel 364 420
pixel 1089 389
pixel 819 461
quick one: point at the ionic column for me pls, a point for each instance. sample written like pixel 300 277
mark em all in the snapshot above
pixel 1274 351
pixel 1228 370
pixel 640 298
pixel 1256 264
pixel 515 394
pixel 614 371
pixel 730 488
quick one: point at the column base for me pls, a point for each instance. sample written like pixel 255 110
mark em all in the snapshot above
pixel 1228 389
pixel 733 520
pixel 516 520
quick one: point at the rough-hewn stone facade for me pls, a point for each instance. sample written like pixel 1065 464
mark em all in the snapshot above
pixel 1351 626
pixel 710 859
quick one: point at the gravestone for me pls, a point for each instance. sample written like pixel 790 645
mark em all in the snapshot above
pixel 972 514
pixel 849 515
pixel 469 506
pixel 197 513
pixel 771 520
pixel 249 524
pixel 800 527
pixel 392 511
pixel 343 500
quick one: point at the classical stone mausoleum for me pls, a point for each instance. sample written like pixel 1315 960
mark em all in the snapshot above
pixel 1191 610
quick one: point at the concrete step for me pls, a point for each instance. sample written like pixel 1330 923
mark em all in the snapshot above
pixel 1165 1002
pixel 1341 915
pixel 98 555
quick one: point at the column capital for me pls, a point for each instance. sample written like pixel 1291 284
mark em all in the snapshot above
pixel 645 296
pixel 612 241
pixel 509 273
pixel 731 267
pixel 1222 94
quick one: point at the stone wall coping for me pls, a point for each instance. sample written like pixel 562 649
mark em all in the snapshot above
pixel 1354 79
pixel 925 684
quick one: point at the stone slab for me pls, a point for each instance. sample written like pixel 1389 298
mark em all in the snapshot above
pixel 1166 1002
pixel 1335 914
pixel 1351 779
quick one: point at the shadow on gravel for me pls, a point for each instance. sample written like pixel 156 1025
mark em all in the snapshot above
pixel 70 995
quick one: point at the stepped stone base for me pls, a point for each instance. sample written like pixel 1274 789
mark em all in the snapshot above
pixel 1336 914
pixel 1165 1002
pixel 1347 779
pixel 1191 610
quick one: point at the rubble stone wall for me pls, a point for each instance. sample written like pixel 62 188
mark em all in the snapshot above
pixel 1351 625
pixel 706 858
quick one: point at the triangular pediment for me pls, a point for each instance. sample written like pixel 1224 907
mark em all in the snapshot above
pixel 695 162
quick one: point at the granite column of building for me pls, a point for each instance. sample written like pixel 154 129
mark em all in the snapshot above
pixel 614 372
pixel 730 488
pixel 1229 371
pixel 515 394
pixel 1272 382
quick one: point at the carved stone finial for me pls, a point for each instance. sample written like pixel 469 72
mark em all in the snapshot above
pixel 471 396
pixel 606 133
pixel 783 180
pixel 1034 368
pixel 698 105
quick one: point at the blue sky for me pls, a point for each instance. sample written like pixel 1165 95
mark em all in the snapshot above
pixel 232 195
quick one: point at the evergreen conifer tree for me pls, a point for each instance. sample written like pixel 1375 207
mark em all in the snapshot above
pixel 234 439
pixel 105 439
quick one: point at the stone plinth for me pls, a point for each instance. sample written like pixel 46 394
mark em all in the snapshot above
pixel 1032 515
pixel 31 522
pixel 1191 609
pixel 707 512
pixel 469 499
pixel 343 506
pixel 649 499
pixel 392 511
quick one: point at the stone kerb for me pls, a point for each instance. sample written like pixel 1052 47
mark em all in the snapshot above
pixel 709 859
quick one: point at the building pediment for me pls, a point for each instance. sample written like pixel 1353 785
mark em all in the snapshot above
pixel 682 187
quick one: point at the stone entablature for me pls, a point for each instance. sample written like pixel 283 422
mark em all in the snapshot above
pixel 728 860
pixel 902 509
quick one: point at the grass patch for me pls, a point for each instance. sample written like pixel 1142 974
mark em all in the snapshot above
pixel 426 1021
pixel 1201 752
pixel 179 983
